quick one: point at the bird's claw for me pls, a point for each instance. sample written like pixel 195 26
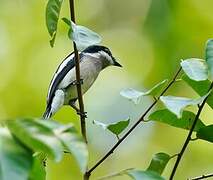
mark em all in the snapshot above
pixel 76 82
pixel 83 114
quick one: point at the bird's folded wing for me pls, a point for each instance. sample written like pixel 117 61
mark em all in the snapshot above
pixel 67 64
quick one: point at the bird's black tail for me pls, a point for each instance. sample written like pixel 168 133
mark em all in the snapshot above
pixel 47 114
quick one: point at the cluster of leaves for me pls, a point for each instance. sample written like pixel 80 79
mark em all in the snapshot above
pixel 26 143
pixel 82 36
pixel 199 76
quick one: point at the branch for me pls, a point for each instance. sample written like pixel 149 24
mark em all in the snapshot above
pixel 201 177
pixel 133 127
pixel 189 136
pixel 78 77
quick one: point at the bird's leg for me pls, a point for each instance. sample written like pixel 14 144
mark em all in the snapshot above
pixel 72 104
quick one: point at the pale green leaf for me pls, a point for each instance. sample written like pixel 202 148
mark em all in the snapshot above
pixel 195 69
pixel 135 96
pixel 83 37
pixel 178 104
pixel 116 128
pixel 201 88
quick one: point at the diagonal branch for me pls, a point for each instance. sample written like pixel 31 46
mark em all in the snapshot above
pixel 78 77
pixel 88 173
pixel 189 136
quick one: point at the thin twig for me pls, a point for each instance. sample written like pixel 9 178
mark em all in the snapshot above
pixel 78 77
pixel 133 127
pixel 189 136
pixel 201 177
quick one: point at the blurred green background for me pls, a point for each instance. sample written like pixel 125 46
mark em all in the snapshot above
pixel 149 37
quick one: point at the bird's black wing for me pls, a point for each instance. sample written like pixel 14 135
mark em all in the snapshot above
pixel 67 64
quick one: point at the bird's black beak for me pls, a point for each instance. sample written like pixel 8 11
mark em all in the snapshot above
pixel 116 63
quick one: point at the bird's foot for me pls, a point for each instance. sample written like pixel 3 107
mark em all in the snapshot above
pixel 83 114
pixel 76 82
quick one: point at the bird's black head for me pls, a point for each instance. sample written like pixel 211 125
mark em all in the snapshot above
pixel 103 52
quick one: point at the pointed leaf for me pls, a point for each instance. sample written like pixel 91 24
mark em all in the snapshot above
pixel 177 104
pixel 37 135
pixel 53 9
pixel 132 95
pixel 201 88
pixel 209 56
pixel 140 175
pixel 206 133
pixel 115 128
pixel 83 37
pixel 15 159
pixel 135 96
pixel 159 162
pixel 185 122
pixel 195 69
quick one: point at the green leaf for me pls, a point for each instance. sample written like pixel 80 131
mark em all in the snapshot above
pixel 201 88
pixel 146 175
pixel 38 171
pixel 185 122
pixel 15 159
pixel 135 96
pixel 37 135
pixel 177 104
pixel 195 69
pixel 116 128
pixel 209 56
pixel 53 9
pixel 73 143
pixel 206 133
pixel 83 37
pixel 159 162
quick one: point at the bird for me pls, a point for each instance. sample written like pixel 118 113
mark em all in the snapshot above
pixel 62 89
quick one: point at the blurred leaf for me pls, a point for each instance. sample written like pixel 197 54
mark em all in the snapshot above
pixel 209 56
pixel 195 69
pixel 73 143
pixel 37 135
pixel 135 96
pixel 132 95
pixel 53 9
pixel 159 162
pixel 38 171
pixel 206 133
pixel 84 37
pixel 177 104
pixel 185 122
pixel 15 159
pixel 201 88
pixel 146 175
pixel 115 128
